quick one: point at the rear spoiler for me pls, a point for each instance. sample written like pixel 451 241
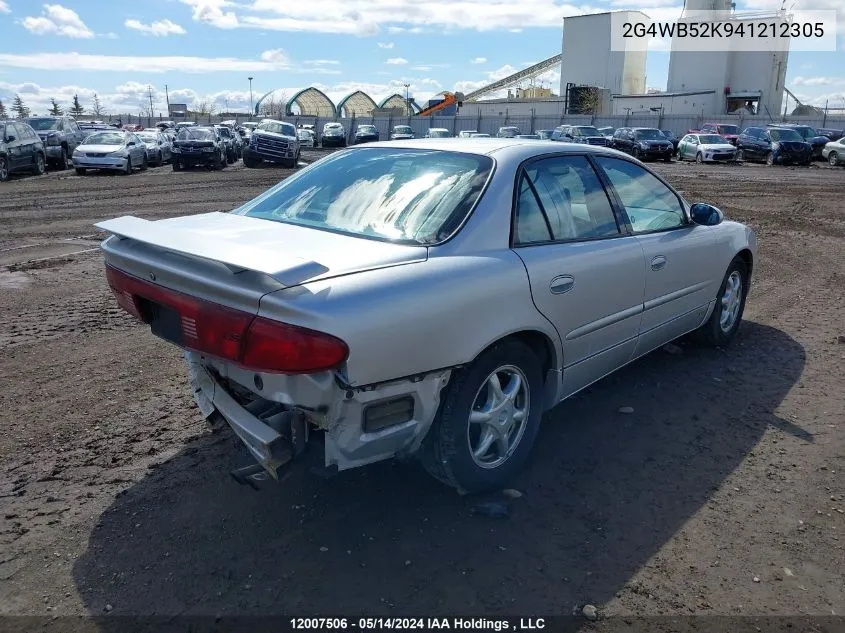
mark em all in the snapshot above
pixel 215 245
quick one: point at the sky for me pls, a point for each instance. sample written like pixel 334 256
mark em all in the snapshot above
pixel 205 50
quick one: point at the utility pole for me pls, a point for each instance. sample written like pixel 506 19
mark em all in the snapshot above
pixel 407 99
pixel 150 93
pixel 167 96
pixel 251 108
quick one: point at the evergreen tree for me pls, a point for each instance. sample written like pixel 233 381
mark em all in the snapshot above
pixel 3 113
pixel 55 108
pixel 77 109
pixel 19 108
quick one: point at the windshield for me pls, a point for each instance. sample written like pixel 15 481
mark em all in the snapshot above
pixel 508 131
pixel 648 134
pixel 147 137
pixel 668 133
pixel 727 129
pixel 366 129
pixel 402 195
pixel 277 128
pixel 402 129
pixel 711 139
pixel 586 130
pixel 195 134
pixel 439 133
pixel 305 134
pixel 806 132
pixel 785 135
pixel 106 138
pixel 43 124
pixel 544 133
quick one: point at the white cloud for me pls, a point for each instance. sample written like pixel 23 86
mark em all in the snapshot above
pixel 58 20
pixel 478 60
pixel 159 28
pixel 396 61
pixel 321 62
pixel 272 60
pixel 818 81
pixel 4 8
pixel 385 45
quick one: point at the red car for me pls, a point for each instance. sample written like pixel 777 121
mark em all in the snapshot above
pixel 728 131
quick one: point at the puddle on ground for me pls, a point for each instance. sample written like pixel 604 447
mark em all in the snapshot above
pixel 14 280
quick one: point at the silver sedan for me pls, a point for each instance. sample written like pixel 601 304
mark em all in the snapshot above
pixel 159 146
pixel 429 297
pixel 116 150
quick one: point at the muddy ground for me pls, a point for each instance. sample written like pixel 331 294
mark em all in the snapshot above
pixel 721 494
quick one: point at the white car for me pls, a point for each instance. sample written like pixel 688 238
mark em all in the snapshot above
pixel 438 132
pixel 117 151
pixel 306 137
pixel 429 298
pixel 334 135
pixel 466 133
pixel 706 148
pixel 834 152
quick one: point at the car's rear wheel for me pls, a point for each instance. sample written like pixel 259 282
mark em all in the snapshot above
pixel 62 162
pixel 144 163
pixel 488 420
pixel 730 305
pixel 833 159
pixel 40 164
pixel 177 166
pixel 4 169
pixel 740 155
pixel 81 171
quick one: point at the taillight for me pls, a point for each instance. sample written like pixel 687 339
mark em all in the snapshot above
pixel 250 341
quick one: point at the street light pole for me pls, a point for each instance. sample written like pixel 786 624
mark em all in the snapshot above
pixel 250 98
pixel 407 99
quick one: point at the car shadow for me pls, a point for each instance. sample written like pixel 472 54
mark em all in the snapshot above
pixel 604 492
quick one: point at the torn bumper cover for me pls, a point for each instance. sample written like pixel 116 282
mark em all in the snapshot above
pixel 361 425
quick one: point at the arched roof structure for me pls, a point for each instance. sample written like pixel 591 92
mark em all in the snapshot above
pixel 358 103
pixel 397 101
pixel 312 102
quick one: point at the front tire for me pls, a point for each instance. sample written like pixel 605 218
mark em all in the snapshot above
pixel 723 323
pixel 833 159
pixel 80 171
pixel 740 156
pixel 128 169
pixel 488 420
pixel 40 167
pixel 144 163
pixel 770 158
pixel 699 158
pixel 62 162
pixel 4 169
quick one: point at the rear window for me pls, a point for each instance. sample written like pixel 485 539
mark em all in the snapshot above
pixel 784 135
pixel 408 196
pixel 195 134
pixel 648 134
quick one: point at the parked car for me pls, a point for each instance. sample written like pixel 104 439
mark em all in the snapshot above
pixel 669 134
pixel 21 149
pixel 544 134
pixel 437 321
pixel 773 146
pixel 227 137
pixel 834 152
pixel 581 134
pixel 366 134
pixel 466 133
pixel 159 146
pixel 401 133
pixel 275 142
pixel 607 132
pixel 61 136
pixel 644 143
pixel 706 148
pixel 811 136
pixel 438 132
pixel 334 135
pixel 184 124
pixel 479 135
pixel 831 133
pixel 199 145
pixel 508 131
pixel 535 137
pixel 728 130
pixel 111 150
pixel 307 138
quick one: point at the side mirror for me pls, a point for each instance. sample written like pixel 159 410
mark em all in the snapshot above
pixel 706 214
pixel 130 144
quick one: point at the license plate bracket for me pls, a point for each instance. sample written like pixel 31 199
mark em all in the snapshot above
pixel 166 323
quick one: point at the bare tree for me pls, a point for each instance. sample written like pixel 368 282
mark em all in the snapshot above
pixel 274 106
pixel 202 108
pixel 97 107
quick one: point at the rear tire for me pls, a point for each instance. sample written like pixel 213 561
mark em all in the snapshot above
pixel 447 450
pixel 250 162
pixel 62 162
pixel 4 169
pixel 740 156
pixel 177 166
pixel 721 327
pixel 40 167
pixel 144 163
pixel 81 171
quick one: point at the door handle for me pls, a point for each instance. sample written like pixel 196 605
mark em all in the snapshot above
pixel 561 284
pixel 658 263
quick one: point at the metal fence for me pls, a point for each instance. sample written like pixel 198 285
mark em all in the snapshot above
pixel 679 124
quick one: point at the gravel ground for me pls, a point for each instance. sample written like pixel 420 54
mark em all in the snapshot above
pixel 721 494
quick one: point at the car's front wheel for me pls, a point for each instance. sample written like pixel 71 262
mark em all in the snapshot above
pixel 4 169
pixel 770 158
pixel 723 323
pixel 488 420
pixel 699 158
pixel 833 159
pixel 40 165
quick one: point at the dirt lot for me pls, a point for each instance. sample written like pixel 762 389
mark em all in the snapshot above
pixel 721 494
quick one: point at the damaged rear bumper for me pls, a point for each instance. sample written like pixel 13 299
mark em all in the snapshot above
pixel 272 414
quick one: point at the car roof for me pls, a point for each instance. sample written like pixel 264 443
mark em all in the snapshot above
pixel 523 147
